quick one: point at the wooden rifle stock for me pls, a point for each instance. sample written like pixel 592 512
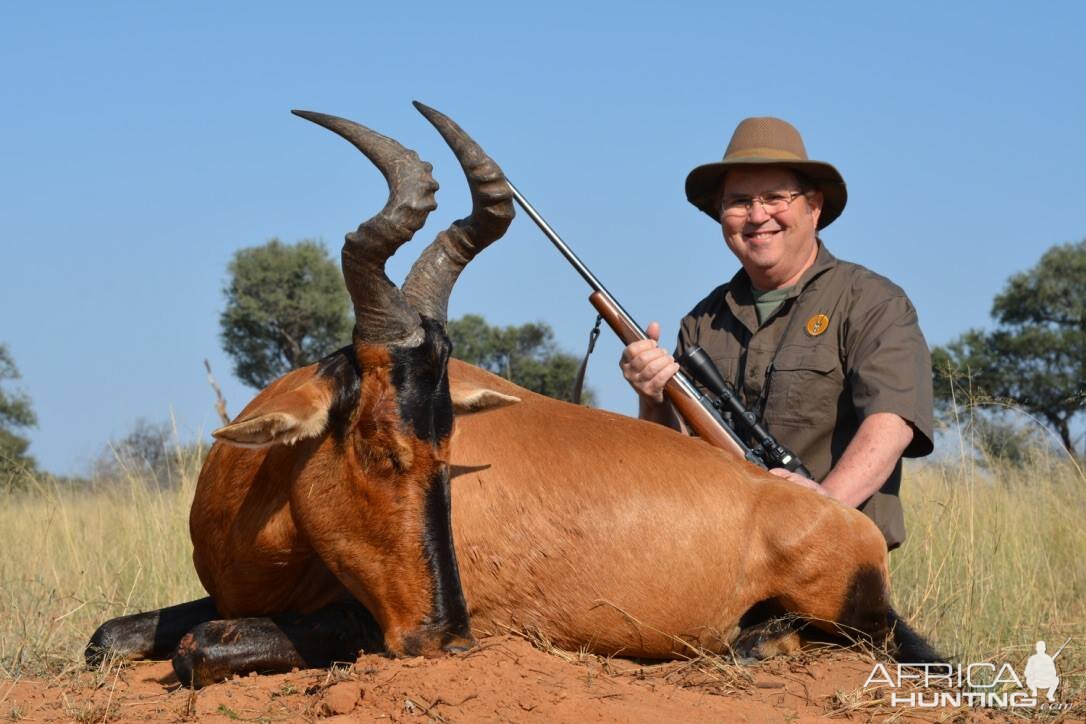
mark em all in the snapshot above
pixel 692 410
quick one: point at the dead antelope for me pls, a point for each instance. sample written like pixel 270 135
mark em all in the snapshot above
pixel 321 522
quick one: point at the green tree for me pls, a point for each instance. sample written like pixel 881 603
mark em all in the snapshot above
pixel 1035 358
pixel 286 307
pixel 15 414
pixel 526 355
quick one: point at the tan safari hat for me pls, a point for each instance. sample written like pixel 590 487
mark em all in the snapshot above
pixel 766 141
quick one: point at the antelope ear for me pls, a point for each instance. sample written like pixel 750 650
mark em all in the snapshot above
pixel 468 398
pixel 282 419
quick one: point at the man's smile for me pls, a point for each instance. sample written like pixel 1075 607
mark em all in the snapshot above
pixel 764 235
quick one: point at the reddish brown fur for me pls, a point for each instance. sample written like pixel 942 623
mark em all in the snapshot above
pixel 295 527
pixel 625 536
pixel 595 529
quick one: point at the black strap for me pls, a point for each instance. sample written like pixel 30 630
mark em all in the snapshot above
pixel 763 396
pixel 578 382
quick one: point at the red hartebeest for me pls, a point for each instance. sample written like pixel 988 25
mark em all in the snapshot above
pixel 330 490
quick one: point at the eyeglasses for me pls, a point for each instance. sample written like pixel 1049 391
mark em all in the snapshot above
pixel 773 202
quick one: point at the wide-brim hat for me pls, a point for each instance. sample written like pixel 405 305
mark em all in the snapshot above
pixel 767 141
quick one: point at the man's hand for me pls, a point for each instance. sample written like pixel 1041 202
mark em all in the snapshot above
pixel 647 366
pixel 866 463
pixel 799 480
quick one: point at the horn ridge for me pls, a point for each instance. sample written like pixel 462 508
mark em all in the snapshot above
pixel 430 281
pixel 382 315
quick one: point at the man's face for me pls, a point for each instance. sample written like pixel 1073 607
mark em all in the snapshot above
pixel 774 247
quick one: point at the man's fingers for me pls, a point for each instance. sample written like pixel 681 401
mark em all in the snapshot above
pixel 649 371
pixel 797 479
pixel 651 382
pixel 659 381
pixel 635 349
pixel 647 366
pixel 654 366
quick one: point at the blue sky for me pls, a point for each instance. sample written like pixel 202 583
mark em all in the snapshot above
pixel 143 143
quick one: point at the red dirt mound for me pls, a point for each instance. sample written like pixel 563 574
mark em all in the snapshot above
pixel 504 679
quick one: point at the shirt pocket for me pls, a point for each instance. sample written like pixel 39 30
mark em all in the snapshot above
pixel 805 385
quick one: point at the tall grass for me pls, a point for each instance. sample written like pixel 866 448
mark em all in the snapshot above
pixel 996 558
pixel 994 561
pixel 72 558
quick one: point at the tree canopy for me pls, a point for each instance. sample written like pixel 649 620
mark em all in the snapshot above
pixel 526 355
pixel 1035 357
pixel 16 414
pixel 286 307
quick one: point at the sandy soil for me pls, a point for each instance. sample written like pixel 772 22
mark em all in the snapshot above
pixel 504 679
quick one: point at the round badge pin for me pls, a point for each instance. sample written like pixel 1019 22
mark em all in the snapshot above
pixel 817 324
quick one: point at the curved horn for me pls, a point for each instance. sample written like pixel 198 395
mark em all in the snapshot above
pixel 431 278
pixel 382 316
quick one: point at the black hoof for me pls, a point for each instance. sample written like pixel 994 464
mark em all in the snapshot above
pixel 149 635
pixel 103 645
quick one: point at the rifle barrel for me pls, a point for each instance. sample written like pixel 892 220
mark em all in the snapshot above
pixel 730 440
pixel 585 272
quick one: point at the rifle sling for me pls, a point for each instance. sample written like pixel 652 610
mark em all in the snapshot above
pixel 578 381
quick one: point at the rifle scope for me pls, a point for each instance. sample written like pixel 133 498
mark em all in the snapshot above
pixel 773 454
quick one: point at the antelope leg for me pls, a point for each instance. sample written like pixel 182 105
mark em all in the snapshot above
pixel 216 650
pixel 150 635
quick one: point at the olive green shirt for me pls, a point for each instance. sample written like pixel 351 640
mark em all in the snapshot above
pixel 765 303
pixel 845 344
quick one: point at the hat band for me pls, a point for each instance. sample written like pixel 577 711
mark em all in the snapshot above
pixel 774 153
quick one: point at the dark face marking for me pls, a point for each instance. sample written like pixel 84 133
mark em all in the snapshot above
pixel 419 379
pixel 449 610
pixel 342 367
pixel 420 376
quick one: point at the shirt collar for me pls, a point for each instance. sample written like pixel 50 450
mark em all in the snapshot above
pixel 740 297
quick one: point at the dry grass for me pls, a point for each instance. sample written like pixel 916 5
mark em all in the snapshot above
pixel 71 559
pixel 994 562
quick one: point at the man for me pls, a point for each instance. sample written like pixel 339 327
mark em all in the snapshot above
pixel 827 353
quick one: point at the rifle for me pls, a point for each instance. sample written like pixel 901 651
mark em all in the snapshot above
pixel 704 415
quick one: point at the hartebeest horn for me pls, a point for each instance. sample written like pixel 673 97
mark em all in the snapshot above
pixel 382 316
pixel 431 279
